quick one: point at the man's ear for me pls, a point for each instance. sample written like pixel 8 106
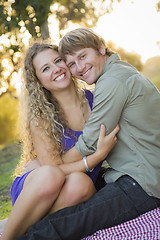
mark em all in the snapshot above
pixel 102 50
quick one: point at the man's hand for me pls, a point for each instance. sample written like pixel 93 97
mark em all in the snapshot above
pixel 106 143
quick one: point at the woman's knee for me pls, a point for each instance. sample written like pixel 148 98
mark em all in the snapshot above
pixel 48 180
pixel 80 187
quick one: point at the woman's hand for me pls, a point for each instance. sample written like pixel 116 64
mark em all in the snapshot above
pixel 106 142
pixel 31 165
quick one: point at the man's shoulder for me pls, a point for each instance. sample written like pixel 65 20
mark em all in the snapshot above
pixel 109 78
pixel 117 72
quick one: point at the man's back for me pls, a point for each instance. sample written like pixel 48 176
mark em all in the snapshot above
pixel 124 96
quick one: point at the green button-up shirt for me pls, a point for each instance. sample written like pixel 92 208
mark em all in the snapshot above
pixel 122 95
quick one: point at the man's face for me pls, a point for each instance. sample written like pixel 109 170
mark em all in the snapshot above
pixel 86 64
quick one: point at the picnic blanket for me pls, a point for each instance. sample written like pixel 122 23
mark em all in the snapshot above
pixel 144 227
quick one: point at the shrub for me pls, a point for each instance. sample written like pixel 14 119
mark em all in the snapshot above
pixel 8 119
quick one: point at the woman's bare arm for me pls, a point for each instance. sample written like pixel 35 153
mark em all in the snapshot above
pixel 104 146
pixel 43 146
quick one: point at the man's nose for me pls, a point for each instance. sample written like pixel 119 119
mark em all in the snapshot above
pixel 79 66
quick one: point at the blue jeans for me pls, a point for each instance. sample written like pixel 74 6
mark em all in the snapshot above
pixel 115 203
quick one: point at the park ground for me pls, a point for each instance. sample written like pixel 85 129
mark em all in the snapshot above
pixel 9 157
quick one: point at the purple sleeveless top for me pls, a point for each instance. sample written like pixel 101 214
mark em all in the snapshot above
pixel 69 141
pixel 71 137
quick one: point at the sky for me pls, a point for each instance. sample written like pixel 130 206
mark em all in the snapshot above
pixel 133 25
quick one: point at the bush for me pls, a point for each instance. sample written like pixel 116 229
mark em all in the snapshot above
pixel 156 81
pixel 8 119
pixel 151 68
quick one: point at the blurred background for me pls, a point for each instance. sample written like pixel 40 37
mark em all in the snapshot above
pixel 129 27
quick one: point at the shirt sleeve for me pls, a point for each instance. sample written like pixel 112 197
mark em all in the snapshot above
pixel 109 99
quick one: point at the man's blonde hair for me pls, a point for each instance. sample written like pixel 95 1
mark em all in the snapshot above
pixel 81 38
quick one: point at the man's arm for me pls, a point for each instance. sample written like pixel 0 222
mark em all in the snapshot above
pixel 104 145
pixel 109 99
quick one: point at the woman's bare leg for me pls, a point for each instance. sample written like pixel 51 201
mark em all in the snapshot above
pixel 40 190
pixel 78 188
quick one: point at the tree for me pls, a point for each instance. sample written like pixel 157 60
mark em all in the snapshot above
pixel 30 17
pixel 8 119
pixel 151 68
pixel 158 6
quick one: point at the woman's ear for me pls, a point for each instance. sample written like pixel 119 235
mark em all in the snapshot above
pixel 102 50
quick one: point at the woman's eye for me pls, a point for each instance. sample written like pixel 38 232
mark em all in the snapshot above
pixel 59 60
pixel 45 69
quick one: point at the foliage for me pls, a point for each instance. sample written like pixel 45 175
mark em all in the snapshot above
pixel 34 14
pixel 156 81
pixel 158 6
pixel 151 68
pixel 133 58
pixel 8 119
pixel 21 20
pixel 9 157
pixel 85 12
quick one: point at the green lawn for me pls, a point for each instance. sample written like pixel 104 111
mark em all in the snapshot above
pixel 9 157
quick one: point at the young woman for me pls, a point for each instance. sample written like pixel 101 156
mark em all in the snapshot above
pixel 57 110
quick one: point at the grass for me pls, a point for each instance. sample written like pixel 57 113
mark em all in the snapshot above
pixel 9 157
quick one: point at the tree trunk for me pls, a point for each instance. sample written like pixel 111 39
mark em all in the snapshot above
pixel 45 30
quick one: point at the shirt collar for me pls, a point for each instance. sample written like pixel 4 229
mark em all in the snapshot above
pixel 112 59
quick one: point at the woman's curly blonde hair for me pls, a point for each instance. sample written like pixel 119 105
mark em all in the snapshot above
pixel 39 104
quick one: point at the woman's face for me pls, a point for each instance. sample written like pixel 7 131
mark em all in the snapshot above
pixel 51 70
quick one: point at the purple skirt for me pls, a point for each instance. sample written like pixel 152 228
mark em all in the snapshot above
pixel 17 186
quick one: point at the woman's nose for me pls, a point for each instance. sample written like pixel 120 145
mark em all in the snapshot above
pixel 55 68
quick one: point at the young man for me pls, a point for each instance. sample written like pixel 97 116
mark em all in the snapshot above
pixel 122 95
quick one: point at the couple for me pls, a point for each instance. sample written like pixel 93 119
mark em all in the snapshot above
pixel 122 95
pixel 58 109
